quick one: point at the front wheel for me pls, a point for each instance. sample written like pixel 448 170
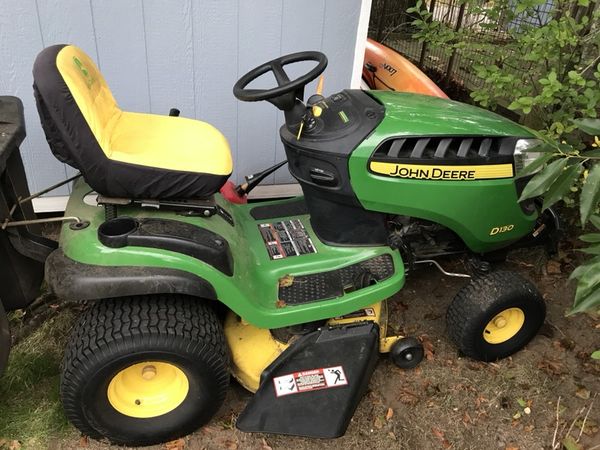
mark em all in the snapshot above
pixel 495 316
pixel 144 370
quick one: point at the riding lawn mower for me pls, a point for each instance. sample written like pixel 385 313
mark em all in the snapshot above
pixel 187 284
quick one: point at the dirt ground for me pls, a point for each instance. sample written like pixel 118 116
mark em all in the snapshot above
pixel 544 397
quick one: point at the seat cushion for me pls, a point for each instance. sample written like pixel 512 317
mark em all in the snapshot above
pixel 172 143
pixel 120 153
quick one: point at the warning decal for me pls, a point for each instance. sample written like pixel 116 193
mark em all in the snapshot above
pixel 310 380
pixel 286 238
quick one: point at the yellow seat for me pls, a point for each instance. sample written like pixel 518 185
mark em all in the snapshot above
pixel 120 153
pixel 173 143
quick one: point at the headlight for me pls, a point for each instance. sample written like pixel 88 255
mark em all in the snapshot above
pixel 523 154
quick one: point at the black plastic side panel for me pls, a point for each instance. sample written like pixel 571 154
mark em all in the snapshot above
pixel 22 251
pixel 4 339
pixel 321 412
pixel 12 127
pixel 338 223
pixel 73 280
pixel 319 161
pixel 172 235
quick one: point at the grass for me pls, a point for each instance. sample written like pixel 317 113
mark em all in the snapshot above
pixel 30 410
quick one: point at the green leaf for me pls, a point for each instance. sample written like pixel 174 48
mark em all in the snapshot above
pixel 589 126
pixel 585 303
pixel 588 281
pixel 522 403
pixel 562 185
pixel 590 194
pixel 593 250
pixel 580 270
pixel 583 2
pixel 590 237
pixel 535 164
pixel 543 147
pixel 544 179
pixel 595 220
pixel 596 354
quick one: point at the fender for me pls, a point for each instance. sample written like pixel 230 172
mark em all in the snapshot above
pixel 77 281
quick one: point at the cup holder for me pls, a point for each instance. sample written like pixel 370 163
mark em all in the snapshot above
pixel 113 233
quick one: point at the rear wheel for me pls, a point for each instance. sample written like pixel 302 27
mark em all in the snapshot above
pixel 144 370
pixel 495 315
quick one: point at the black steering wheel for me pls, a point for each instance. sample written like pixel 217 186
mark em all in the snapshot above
pixel 284 84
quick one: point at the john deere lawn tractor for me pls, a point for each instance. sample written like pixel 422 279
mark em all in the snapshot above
pixel 187 284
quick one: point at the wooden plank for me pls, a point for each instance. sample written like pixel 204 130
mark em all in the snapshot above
pixel 170 54
pixel 215 31
pixel 120 39
pixel 20 42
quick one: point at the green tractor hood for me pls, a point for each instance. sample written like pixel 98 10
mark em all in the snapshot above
pixel 421 115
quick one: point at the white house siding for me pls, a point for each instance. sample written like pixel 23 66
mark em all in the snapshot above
pixel 158 54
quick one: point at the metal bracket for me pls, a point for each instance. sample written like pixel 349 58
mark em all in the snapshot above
pixel 441 269
pixel 77 223
pixel 192 208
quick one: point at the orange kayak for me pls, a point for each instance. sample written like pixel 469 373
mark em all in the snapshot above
pixel 385 69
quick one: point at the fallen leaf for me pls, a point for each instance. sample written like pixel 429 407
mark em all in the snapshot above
pixel 522 403
pixel 392 435
pixel 582 393
pixel 280 304
pixel 474 365
pixel 511 447
pixel 266 446
pixel 427 347
pixel 83 441
pixel 177 444
pixel 231 445
pixel 528 428
pixel 407 397
pixel 442 438
pixel 389 414
pixel 590 428
pixel 551 367
pixel 14 445
pixel 286 281
pixel 378 423
pixel 466 418
pixel 209 429
pixel 553 267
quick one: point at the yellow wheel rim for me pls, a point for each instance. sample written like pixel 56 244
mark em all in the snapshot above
pixel 504 326
pixel 148 389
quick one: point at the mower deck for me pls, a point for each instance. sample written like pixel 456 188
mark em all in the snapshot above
pixel 272 268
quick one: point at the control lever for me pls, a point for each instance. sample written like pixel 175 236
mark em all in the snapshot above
pixel 174 112
pixel 253 180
